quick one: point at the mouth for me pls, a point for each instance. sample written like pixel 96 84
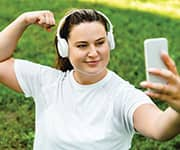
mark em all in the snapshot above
pixel 93 63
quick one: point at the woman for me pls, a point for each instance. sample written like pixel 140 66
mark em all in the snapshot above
pixel 82 104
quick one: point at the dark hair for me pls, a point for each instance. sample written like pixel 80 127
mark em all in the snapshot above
pixel 75 17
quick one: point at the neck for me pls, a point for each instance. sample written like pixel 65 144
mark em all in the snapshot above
pixel 85 79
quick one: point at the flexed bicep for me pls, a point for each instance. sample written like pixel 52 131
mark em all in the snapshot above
pixel 10 36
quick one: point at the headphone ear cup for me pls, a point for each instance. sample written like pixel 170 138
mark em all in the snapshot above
pixel 111 40
pixel 62 47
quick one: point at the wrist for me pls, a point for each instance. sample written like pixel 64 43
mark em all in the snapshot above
pixel 22 19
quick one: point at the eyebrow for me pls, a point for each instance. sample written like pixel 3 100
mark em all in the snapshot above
pixel 101 38
pixel 81 42
pixel 84 42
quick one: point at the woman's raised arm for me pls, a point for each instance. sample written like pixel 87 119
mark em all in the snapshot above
pixel 11 34
pixel 9 38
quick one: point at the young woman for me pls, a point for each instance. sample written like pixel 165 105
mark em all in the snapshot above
pixel 82 105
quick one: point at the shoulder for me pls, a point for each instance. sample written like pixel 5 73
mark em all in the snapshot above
pixel 43 72
pixel 124 92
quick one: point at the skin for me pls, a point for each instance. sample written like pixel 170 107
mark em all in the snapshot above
pixel 89 54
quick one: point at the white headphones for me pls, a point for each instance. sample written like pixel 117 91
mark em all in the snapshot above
pixel 62 44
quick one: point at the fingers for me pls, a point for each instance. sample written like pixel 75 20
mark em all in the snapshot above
pixel 169 63
pixel 165 74
pixel 172 101
pixel 159 88
pixel 163 91
pixel 169 92
pixel 159 96
pixel 46 19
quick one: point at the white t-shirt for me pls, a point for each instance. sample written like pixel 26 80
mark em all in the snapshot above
pixel 70 116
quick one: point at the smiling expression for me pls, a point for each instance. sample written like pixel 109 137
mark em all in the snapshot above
pixel 89 50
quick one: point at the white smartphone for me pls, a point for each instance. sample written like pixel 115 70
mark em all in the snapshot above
pixel 152 50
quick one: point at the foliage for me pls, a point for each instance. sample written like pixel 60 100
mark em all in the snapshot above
pixel 131 28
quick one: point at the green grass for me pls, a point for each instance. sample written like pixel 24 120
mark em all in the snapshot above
pixel 131 26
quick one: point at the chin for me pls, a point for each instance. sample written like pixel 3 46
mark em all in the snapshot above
pixel 91 73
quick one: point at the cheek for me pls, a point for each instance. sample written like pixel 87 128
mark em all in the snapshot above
pixel 74 56
pixel 106 52
pixel 107 56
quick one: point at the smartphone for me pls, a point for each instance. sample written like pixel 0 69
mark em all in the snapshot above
pixel 152 50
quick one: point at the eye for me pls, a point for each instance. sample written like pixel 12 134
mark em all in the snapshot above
pixel 81 45
pixel 99 43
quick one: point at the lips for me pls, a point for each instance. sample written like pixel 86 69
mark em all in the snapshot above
pixel 94 62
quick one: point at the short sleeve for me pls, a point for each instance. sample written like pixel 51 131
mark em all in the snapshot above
pixel 31 76
pixel 126 104
pixel 27 74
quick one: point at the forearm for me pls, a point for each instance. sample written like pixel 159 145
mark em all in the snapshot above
pixel 9 37
pixel 168 124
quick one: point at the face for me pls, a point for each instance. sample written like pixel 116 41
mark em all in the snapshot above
pixel 89 49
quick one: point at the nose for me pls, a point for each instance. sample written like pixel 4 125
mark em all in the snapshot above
pixel 93 51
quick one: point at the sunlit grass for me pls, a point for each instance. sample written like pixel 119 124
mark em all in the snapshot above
pixel 169 8
pixel 131 26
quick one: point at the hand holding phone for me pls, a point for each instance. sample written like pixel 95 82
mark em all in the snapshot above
pixel 152 50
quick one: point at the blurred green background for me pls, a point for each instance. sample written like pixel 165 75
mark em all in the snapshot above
pixel 133 20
